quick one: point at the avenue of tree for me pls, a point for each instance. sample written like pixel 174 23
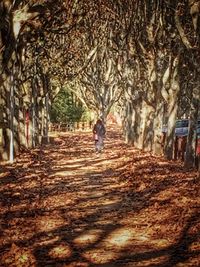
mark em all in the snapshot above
pixel 143 57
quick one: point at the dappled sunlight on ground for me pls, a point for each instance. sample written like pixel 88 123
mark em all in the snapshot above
pixel 61 251
pixel 88 237
pixel 119 238
pixel 65 205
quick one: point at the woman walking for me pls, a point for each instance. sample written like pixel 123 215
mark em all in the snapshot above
pixel 99 134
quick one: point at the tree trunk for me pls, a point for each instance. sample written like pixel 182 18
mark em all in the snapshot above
pixel 45 120
pixel 33 116
pixel 157 129
pixel 21 125
pixel 172 109
pixel 191 139
pixel 169 146
pixel 5 99
pixel 129 123
pixel 145 133
pixel 1 125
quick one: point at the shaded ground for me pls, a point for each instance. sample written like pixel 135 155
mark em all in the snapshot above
pixel 66 206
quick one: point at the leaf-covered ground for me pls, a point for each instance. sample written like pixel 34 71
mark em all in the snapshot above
pixel 63 205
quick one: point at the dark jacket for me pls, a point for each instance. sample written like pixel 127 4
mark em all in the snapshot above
pixel 99 129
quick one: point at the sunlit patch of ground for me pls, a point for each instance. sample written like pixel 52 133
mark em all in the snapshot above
pixel 49 223
pixel 87 238
pixel 67 206
pixel 61 251
pixel 17 256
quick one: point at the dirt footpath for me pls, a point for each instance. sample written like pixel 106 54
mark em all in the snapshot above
pixel 65 205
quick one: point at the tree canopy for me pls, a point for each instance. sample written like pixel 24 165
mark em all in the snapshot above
pixel 65 108
pixel 141 56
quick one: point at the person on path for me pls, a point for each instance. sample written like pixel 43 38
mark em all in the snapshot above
pixel 99 134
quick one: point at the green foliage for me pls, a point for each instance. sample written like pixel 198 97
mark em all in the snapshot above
pixel 65 108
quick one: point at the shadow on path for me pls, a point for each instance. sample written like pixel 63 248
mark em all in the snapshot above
pixel 67 206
